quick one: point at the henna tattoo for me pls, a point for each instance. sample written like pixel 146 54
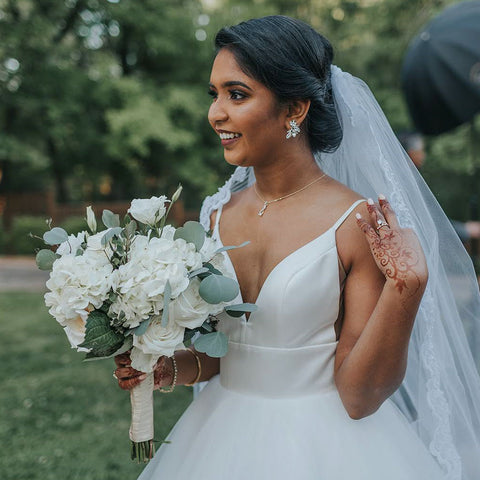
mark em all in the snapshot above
pixel 163 372
pixel 397 260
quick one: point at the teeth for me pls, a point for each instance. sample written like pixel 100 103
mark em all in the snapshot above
pixel 228 136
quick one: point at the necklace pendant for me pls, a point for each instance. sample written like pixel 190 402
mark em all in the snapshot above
pixel 262 210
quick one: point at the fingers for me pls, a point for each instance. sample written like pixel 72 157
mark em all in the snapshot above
pixel 128 377
pixel 388 212
pixel 163 373
pixel 366 228
pixel 130 383
pixel 123 360
pixel 376 215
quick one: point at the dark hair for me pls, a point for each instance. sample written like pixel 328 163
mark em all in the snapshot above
pixel 294 61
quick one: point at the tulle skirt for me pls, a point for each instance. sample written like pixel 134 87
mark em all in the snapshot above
pixel 226 435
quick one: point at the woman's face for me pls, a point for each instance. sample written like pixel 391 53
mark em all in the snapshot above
pixel 245 113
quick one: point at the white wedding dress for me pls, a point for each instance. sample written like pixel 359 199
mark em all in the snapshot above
pixel 274 412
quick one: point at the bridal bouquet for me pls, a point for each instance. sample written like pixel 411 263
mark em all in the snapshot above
pixel 146 287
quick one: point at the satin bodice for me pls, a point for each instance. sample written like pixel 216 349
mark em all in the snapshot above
pixel 287 347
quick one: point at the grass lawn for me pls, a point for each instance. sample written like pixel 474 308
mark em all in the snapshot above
pixel 62 418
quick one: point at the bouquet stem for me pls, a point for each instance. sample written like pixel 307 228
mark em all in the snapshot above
pixel 141 428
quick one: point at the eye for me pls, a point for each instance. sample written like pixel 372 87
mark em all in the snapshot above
pixel 237 95
pixel 212 93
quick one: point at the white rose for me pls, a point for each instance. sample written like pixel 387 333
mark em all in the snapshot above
pixel 189 309
pixel 71 246
pixel 148 211
pixel 158 340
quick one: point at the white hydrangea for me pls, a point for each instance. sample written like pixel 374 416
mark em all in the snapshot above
pixel 75 331
pixel 148 210
pixel 95 249
pixel 217 260
pixel 168 232
pixel 73 244
pixel 140 283
pixel 77 284
pixel 189 310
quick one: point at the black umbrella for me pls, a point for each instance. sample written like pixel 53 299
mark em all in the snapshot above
pixel 441 70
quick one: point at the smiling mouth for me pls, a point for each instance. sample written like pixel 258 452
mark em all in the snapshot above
pixel 229 135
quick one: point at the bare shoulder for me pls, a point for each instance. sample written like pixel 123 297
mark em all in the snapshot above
pixel 351 243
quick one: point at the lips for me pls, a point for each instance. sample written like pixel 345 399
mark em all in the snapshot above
pixel 228 138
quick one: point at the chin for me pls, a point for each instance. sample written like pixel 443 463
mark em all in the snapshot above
pixel 236 160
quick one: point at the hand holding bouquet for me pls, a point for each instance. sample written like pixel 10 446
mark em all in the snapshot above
pixel 146 287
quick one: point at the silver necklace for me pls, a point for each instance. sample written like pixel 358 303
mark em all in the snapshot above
pixel 266 203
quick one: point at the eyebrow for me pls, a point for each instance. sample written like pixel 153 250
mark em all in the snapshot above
pixel 232 83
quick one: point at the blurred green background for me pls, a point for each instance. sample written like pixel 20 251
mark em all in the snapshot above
pixel 62 418
pixel 105 100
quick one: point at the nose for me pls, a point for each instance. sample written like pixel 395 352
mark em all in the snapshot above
pixel 217 113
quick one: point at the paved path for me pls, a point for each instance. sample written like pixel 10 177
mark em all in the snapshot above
pixel 21 274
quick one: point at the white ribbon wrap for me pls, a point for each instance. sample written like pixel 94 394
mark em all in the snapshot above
pixel 141 399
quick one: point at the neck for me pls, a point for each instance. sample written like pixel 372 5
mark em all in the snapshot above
pixel 286 175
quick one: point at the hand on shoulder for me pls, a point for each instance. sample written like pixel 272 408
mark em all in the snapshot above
pixel 396 251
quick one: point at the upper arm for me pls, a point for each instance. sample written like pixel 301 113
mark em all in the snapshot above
pixel 363 286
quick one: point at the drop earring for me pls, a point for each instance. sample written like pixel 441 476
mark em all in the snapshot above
pixel 294 129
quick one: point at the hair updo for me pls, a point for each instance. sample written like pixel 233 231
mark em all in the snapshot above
pixel 294 61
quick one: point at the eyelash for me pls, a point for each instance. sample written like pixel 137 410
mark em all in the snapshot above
pixel 240 95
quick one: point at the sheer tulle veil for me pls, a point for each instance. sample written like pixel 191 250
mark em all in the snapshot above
pixel 440 394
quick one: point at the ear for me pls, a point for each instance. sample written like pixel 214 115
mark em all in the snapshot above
pixel 297 110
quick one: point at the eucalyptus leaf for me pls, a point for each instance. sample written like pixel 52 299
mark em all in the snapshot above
pixel 45 259
pixel 213 344
pixel 239 309
pixel 131 228
pixel 142 328
pixel 217 288
pixel 166 302
pixel 110 234
pixel 191 232
pixel 198 271
pixel 110 219
pixel 55 236
pixel 212 269
pixel 100 337
pixel 232 247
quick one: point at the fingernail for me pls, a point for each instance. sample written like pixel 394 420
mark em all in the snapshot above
pixel 381 196
pixel 370 201
pixel 358 216
pixel 143 376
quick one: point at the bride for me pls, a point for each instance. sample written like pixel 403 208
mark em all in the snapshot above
pixel 315 384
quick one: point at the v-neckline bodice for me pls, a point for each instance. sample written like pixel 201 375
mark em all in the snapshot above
pixel 277 266
pixel 284 260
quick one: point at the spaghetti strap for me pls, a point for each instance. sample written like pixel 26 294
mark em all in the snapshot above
pixel 347 213
pixel 217 219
